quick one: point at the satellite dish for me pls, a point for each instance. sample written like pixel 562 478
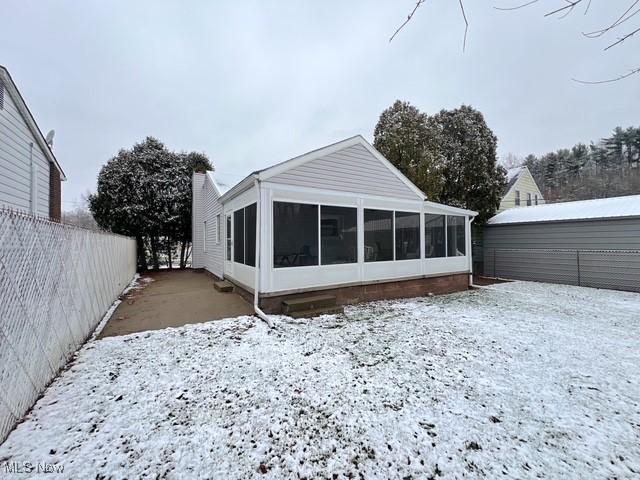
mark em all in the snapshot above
pixel 49 138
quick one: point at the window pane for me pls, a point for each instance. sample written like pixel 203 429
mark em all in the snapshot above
pixel 455 236
pixel 407 235
pixel 295 234
pixel 238 236
pixel 339 235
pixel 434 238
pixel 250 235
pixel 229 238
pixel 378 235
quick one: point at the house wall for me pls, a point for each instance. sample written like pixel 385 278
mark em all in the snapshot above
pixel 525 184
pixel 353 169
pixel 18 189
pixel 206 209
pixel 595 253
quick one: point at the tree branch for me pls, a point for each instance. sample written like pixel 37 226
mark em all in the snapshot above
pixel 409 17
pixel 610 80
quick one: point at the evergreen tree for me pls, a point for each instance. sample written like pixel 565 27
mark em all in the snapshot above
pixel 145 192
pixel 408 138
pixel 472 177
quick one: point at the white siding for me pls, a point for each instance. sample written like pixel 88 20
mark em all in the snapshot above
pixel 206 207
pixel 15 163
pixel 353 169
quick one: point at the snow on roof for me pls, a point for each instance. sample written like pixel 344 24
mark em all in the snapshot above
pixel 513 172
pixel 218 180
pixel 614 207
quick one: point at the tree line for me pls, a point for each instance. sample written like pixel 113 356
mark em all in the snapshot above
pixel 607 168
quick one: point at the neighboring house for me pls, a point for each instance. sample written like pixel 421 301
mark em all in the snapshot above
pixel 341 220
pixel 30 175
pixel 521 190
pixel 594 243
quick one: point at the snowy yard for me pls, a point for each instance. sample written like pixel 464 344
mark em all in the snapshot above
pixel 519 380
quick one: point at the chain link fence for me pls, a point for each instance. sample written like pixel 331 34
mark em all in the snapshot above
pixel 56 283
pixel 611 269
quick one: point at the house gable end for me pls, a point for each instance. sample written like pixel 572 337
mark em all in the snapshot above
pixel 354 166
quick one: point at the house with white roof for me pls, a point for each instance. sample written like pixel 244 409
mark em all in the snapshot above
pixel 593 243
pixel 521 190
pixel 339 224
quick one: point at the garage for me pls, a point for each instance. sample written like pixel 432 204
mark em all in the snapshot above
pixel 591 243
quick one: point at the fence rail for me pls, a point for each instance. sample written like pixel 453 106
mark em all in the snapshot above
pixel 611 269
pixel 56 283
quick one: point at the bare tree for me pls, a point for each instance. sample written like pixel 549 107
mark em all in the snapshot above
pixel 563 9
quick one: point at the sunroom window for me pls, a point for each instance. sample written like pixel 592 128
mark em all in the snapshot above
pixel 407 227
pixel 434 236
pixel 295 234
pixel 456 244
pixel 244 235
pixel 338 235
pixel 238 236
pixel 378 235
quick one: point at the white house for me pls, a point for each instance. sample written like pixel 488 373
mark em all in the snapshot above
pixel 521 190
pixel 30 175
pixel 341 220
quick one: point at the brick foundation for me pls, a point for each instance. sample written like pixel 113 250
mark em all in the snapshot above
pixel 377 291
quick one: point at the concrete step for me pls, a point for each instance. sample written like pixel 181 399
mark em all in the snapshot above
pixel 223 286
pixel 307 303
pixel 317 312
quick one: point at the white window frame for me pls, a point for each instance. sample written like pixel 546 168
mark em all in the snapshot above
pixel 204 236
pixel 517 200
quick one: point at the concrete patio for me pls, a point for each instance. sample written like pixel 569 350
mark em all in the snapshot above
pixel 173 298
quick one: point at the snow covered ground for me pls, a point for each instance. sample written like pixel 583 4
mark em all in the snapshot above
pixel 519 380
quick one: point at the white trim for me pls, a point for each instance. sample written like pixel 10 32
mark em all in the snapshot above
pixel 440 208
pixel 204 236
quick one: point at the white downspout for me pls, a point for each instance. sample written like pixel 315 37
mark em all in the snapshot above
pixel 256 280
pixel 471 219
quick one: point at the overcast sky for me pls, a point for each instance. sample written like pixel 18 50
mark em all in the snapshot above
pixel 252 83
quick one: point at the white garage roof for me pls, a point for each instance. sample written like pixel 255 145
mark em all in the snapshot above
pixel 585 209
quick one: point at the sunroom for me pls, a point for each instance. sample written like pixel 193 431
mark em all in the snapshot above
pixel 341 217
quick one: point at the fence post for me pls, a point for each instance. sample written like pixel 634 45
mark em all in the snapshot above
pixel 578 262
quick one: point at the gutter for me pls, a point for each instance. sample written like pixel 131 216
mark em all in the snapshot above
pixel 471 219
pixel 256 280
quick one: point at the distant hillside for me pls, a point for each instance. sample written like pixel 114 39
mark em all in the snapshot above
pixel 608 168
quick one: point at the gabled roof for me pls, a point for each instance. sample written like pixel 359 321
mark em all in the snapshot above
pixel 12 89
pixel 294 162
pixel 615 207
